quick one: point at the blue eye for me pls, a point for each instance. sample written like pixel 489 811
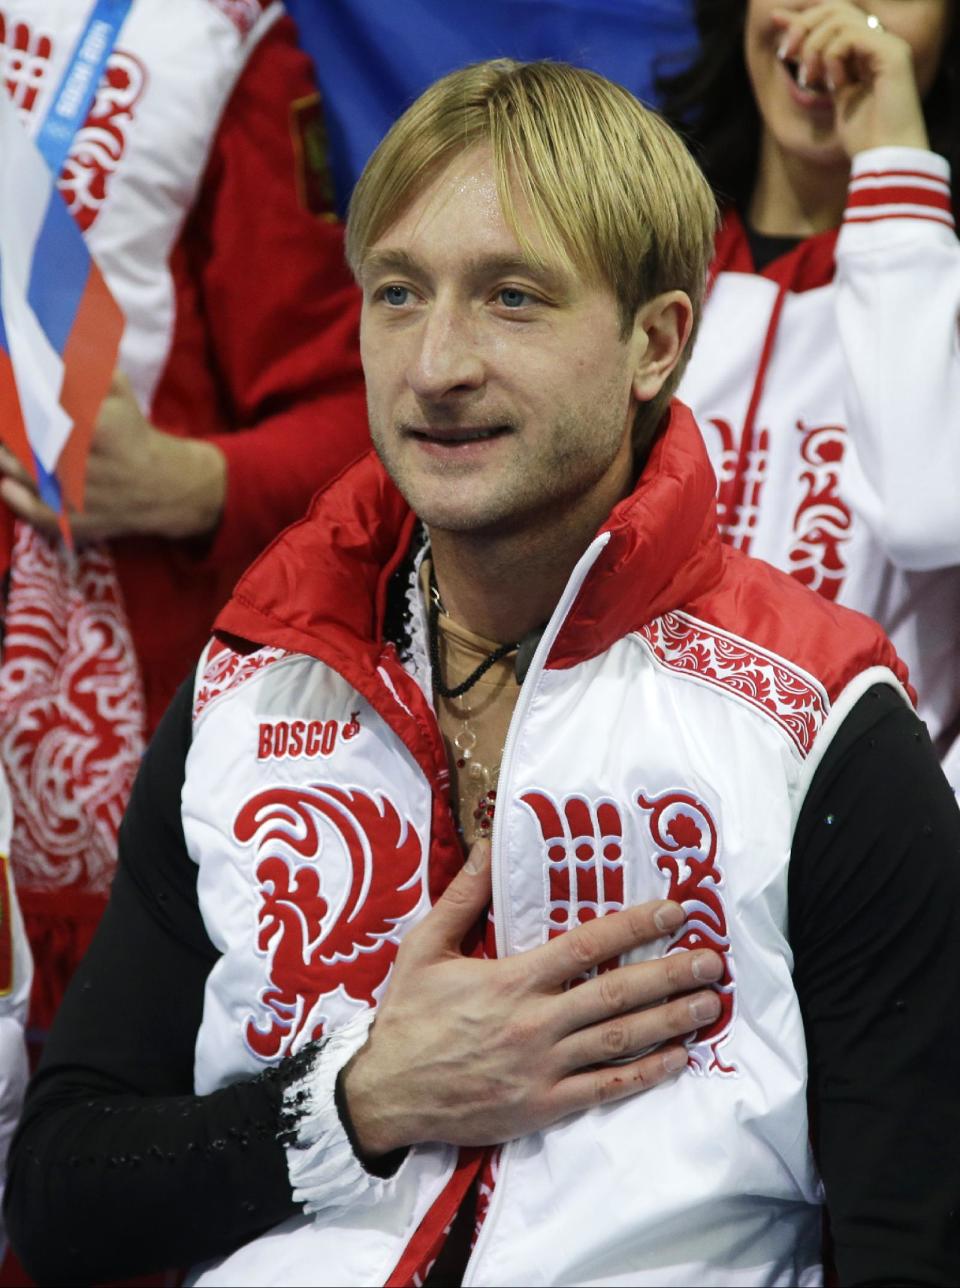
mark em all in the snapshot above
pixel 395 295
pixel 512 297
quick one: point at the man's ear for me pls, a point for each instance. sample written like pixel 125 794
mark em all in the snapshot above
pixel 661 330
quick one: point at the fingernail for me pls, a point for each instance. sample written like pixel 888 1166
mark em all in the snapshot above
pixel 477 859
pixel 802 77
pixel 669 916
pixel 674 1059
pixel 707 966
pixel 705 1007
pixel 782 48
pixel 831 86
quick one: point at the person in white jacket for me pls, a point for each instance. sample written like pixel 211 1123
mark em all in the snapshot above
pixel 827 373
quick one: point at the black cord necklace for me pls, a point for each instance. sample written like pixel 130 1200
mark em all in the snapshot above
pixel 433 620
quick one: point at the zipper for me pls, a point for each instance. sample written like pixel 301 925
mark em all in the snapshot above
pixel 483 1238
pixel 559 616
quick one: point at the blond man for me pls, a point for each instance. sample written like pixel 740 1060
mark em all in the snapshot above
pixel 583 1055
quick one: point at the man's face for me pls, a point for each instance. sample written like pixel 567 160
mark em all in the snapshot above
pixel 498 393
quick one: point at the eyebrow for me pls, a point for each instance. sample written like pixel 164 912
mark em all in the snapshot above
pixel 479 268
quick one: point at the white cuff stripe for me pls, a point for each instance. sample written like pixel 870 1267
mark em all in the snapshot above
pixel 871 214
pixel 900 175
pixel 897 180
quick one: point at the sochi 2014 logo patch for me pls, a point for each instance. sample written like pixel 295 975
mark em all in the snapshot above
pixel 583 854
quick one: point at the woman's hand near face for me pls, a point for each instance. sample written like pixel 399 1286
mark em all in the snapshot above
pixel 868 71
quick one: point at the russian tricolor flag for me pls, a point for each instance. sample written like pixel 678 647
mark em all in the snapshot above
pixel 60 327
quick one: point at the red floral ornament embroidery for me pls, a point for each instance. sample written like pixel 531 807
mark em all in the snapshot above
pixel 71 714
pixel 225 670
pixel 791 697
pixel 685 833
pixel 823 522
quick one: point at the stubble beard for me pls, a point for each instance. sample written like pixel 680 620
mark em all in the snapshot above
pixel 519 502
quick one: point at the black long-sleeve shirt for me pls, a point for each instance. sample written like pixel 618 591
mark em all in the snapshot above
pixel 119 1169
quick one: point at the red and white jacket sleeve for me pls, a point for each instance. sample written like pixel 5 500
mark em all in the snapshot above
pixel 265 360
pixel 898 303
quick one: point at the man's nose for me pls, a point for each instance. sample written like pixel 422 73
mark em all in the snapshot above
pixel 447 357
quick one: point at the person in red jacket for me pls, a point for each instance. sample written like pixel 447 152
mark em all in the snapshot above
pixel 199 179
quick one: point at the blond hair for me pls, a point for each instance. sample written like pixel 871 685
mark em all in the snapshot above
pixel 610 187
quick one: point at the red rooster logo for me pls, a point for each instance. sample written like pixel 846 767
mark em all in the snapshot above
pixel 340 933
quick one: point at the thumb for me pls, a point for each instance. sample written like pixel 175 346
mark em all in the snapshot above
pixel 478 860
pixel 464 899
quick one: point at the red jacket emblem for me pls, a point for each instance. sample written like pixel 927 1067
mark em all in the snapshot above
pixel 312 942
pixel 682 828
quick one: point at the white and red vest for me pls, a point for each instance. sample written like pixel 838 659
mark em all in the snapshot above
pixel 663 741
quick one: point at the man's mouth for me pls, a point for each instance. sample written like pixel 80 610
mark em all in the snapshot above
pixel 455 436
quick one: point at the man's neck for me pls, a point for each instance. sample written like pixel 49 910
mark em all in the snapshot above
pixel 504 584
pixel 796 197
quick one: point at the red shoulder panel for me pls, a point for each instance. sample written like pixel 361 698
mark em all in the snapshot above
pixel 792 698
pixel 764 606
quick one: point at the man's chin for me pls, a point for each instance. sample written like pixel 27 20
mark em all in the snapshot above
pixel 454 505
pixel 459 519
